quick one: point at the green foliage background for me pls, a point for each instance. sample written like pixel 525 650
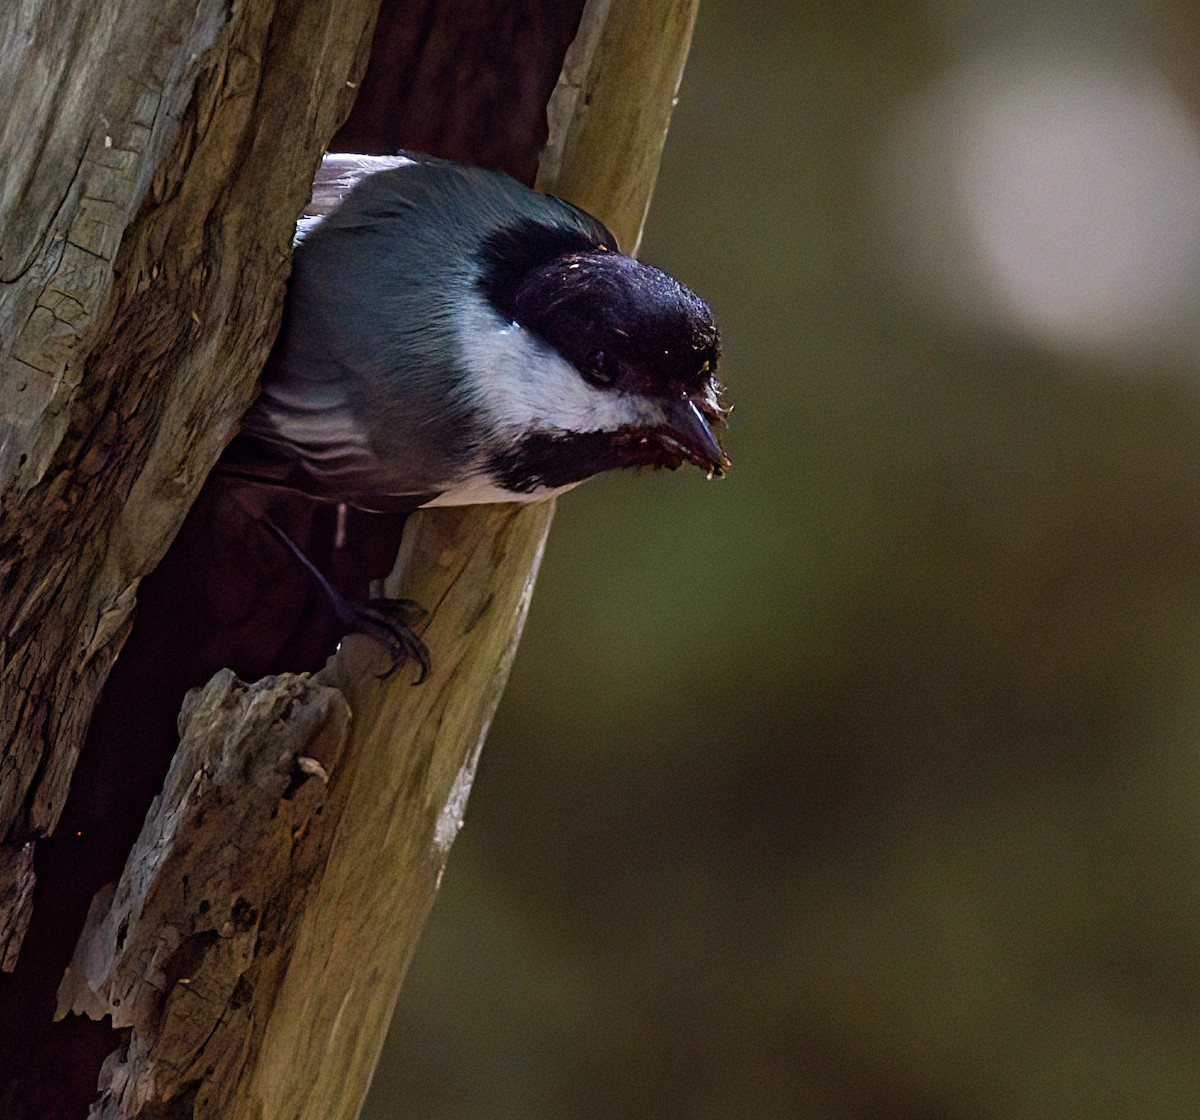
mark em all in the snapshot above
pixel 863 783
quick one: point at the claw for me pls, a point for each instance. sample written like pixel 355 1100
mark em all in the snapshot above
pixel 377 620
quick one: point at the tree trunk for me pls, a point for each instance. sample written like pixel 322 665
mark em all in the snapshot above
pixel 252 951
pixel 144 242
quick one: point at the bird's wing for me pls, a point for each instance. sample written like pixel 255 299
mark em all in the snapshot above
pixel 334 179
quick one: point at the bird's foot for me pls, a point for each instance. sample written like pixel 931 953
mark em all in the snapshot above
pixel 389 622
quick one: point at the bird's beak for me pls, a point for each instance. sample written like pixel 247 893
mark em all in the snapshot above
pixel 687 427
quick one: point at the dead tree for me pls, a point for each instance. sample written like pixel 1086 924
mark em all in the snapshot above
pixel 157 153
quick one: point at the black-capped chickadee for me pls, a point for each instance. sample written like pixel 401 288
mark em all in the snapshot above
pixel 451 337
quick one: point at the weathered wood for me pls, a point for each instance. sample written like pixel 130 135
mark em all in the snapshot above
pixel 410 765
pixel 157 153
pixel 610 112
pixel 296 1006
pixel 467 91
pixel 230 847
pixel 16 900
pixel 275 895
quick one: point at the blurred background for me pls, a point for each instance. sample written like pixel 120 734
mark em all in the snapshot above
pixel 866 783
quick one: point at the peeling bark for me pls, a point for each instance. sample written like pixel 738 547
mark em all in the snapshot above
pixel 16 900
pixel 188 950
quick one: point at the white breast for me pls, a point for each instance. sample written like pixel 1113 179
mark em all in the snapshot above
pixel 482 491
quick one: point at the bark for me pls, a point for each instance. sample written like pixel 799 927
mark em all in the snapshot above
pixel 146 214
pixel 253 949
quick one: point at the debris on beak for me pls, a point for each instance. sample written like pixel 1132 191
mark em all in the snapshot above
pixel 689 430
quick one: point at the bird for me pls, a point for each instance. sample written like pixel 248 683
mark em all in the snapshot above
pixel 453 337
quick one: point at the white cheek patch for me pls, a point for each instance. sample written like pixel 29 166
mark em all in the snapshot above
pixel 530 387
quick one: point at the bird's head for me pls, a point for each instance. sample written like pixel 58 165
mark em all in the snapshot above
pixel 599 361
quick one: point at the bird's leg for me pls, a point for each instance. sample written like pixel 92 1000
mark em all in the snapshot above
pixel 387 621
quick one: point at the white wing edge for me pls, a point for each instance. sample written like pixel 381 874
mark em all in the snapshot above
pixel 338 173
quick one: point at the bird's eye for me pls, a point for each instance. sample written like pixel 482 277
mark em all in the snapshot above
pixel 602 370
